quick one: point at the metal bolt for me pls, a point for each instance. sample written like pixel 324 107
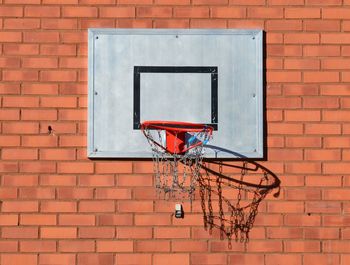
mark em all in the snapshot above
pixel 95 93
pixel 95 150
pixel 254 95
pixel 96 37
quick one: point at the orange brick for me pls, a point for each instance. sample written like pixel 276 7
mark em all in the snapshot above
pixel 9 246
pixel 96 232
pixel 11 11
pixel 58 259
pixel 38 246
pixel 21 23
pixel 326 25
pixel 334 142
pixel 41 37
pixel 284 50
pixel 286 2
pixel 324 2
pixel 58 24
pixel 39 141
pixel 9 114
pixel 152 219
pixel 8 167
pixel 19 232
pixel 323 103
pixel 9 36
pixel 37 89
pixel 210 2
pixel 337 90
pixel 322 155
pixel 19 154
pixel 283 76
pixel 57 49
pixel 335 64
pixel 301 64
pixel 59 76
pixel 95 259
pixel 97 180
pixel 75 167
pixel 41 11
pixel 284 25
pixel 189 246
pixel 319 181
pixel 113 167
pixel 274 38
pixel 321 259
pixel 81 11
pixel 246 259
pixel 285 233
pixel 172 259
pixel 135 258
pixel 283 102
pixel 283 128
pixel 135 206
pixel 58 206
pixel 302 12
pixel 29 259
pixel 339 115
pixel 38 219
pixel 39 115
pixel 285 154
pixel 172 2
pixel 115 219
pixel 335 38
pixel 69 193
pixel 58 232
pixel 322 50
pixel 247 24
pixel 323 207
pixel 302 115
pixel 287 259
pixel 265 12
pixel 207 23
pixel 76 246
pixel 134 232
pixel 96 206
pixel 114 246
pixel 303 167
pixel 321 77
pixel 172 23
pixel 9 140
pixel 37 167
pixel 117 12
pixel 39 62
pixel 76 219
pixel 153 12
pixel 301 38
pixel 57 154
pixel 191 12
pixel 9 89
pixel 23 75
pixel 228 12
pixel 72 115
pixel 36 193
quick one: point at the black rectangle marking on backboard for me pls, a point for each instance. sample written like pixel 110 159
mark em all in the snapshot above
pixel 138 70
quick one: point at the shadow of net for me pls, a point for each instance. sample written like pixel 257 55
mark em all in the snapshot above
pixel 230 196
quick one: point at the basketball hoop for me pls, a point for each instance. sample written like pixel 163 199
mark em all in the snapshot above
pixel 177 152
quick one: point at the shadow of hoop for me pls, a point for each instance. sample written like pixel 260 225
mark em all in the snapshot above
pixel 230 194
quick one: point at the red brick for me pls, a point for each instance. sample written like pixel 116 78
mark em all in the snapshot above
pixel 36 193
pixel 115 219
pixel 311 64
pixel 303 167
pixel 265 12
pixel 207 23
pixel 321 259
pixel 58 180
pixel 302 115
pixel 134 23
pixel 284 128
pixel 327 25
pixel 189 246
pixel 337 90
pixel 191 12
pixel 41 11
pixel 44 89
pixel 57 49
pixel 135 258
pixel 274 38
pixel 336 115
pixel 21 23
pixel 8 220
pixel 8 246
pixel 81 11
pixel 37 246
pixel 50 23
pixel 76 246
pixel 41 37
pixel 321 102
pixel 39 115
pixel 11 11
pixel 58 76
pixel 58 232
pixel 287 259
pixel 172 2
pixel 95 259
pixel 72 115
pixel 284 76
pixel 172 23
pixel 247 24
pixel 57 259
pixel 284 50
pixel 210 2
pixel 9 140
pixel 171 259
pixel 334 142
pixel 23 75
pixel 322 155
pixel 117 12
pixel 69 193
pixel 113 167
pixel 154 12
pixel 283 102
pixel 28 259
pixel 301 38
pixel 324 50
pixel 37 62
pixel 114 246
pixel 260 246
pixel 75 167
pixel 335 246
pixel 9 36
pixel 152 219
pixel 96 206
pixel 323 207
pixel 285 233
pixel 246 259
pixel 77 219
pixel 134 232
pixel 74 37
pixel 57 154
pixel 228 12
pixel 323 181
pixel 38 219
pixel 19 232
pixel 335 38
pixel 58 206
pixel 302 12
pixel 96 232
pixel 284 25
pixel 135 206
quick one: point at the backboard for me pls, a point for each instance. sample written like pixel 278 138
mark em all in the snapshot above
pixel 213 77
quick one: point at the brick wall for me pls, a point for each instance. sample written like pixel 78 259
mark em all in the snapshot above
pixel 58 207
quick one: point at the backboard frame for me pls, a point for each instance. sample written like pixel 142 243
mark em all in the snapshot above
pixel 255 35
